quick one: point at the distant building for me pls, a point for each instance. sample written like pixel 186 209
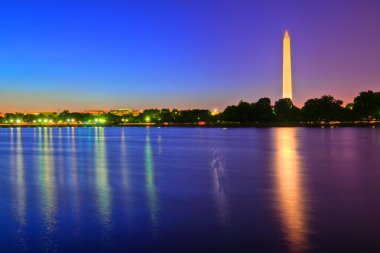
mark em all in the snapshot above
pixel 94 112
pixel 43 113
pixel 122 112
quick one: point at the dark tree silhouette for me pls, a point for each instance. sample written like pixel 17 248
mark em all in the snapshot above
pixel 367 105
pixel 285 111
pixel 326 108
pixel 263 110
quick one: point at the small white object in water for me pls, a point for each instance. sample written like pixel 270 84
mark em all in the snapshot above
pixel 224 128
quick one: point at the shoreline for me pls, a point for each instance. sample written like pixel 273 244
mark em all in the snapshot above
pixel 211 125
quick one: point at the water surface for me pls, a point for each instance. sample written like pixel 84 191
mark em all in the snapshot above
pixel 189 190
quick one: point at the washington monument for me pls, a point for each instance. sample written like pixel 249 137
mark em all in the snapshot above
pixel 287 69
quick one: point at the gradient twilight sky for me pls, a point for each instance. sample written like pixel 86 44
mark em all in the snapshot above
pixel 78 55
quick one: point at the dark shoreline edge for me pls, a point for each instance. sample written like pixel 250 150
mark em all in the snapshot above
pixel 217 125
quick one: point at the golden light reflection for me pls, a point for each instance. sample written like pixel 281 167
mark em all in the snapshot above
pixel 150 186
pixel 101 171
pixel 290 194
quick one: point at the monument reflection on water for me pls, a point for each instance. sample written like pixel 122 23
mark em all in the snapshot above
pixel 290 193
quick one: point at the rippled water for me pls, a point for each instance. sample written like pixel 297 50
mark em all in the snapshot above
pixel 189 190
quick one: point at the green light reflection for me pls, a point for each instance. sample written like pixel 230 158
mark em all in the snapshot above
pixel 101 171
pixel 46 177
pixel 150 186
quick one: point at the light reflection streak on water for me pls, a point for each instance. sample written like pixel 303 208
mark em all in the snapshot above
pixel 289 189
pixel 219 182
pixel 74 175
pixel 60 157
pixel 159 143
pixel 21 205
pixel 18 187
pixel 150 187
pixel 126 196
pixel 47 183
pixel 102 184
pixel 123 159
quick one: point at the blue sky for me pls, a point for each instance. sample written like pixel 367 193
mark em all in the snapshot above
pixel 81 55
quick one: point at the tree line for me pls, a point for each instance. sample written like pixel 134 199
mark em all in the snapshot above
pixel 366 107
